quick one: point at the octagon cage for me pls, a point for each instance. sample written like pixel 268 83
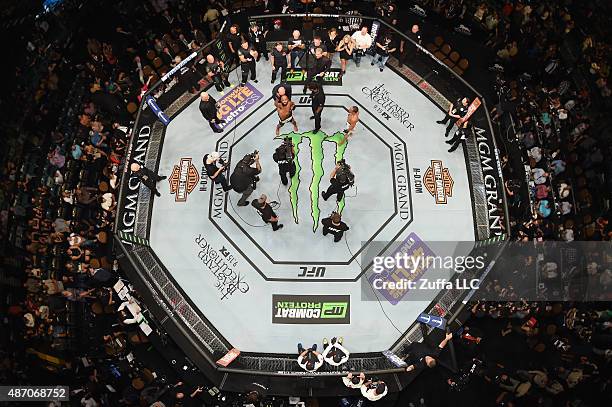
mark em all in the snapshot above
pixel 436 74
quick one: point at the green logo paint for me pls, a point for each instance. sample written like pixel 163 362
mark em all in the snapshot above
pixel 317 141
pixel 334 310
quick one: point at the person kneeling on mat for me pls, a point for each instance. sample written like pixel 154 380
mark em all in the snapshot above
pixel 309 359
pixel 335 354
pixel 265 211
pixel 335 226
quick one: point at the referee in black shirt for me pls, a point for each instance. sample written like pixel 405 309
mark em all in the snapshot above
pixel 318 103
pixel 208 108
pixel 455 111
pixel 266 212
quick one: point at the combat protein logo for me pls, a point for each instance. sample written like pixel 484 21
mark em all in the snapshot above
pixel 316 141
pixel 438 182
pixel 183 180
pixel 310 309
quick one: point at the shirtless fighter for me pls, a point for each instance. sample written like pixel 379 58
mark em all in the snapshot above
pixel 351 122
pixel 284 108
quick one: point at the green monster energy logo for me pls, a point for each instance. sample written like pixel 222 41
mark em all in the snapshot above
pixel 316 146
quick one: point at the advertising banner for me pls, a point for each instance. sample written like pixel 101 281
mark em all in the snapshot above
pixel 236 102
pixel 311 309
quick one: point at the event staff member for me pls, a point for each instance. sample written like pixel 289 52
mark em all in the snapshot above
pixel 296 47
pixel 309 359
pixel 208 108
pixel 247 56
pixel 414 34
pixel 318 103
pixel 265 211
pixel 460 135
pixel 455 111
pixel 317 42
pixel 245 176
pixel 354 381
pixel 374 391
pixel 147 177
pixel 284 156
pixel 421 356
pixel 351 121
pixel 215 72
pixel 363 42
pixel 383 49
pixel 233 41
pixel 334 353
pixel 281 89
pixel 341 179
pixel 335 226
pixel 257 37
pixel 215 167
pixel 284 108
pixel 317 70
pixel 279 62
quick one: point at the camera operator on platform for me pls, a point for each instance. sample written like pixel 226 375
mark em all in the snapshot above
pixel 341 179
pixel 244 178
pixel 284 157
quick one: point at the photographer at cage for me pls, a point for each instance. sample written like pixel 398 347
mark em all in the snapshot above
pixel 266 212
pixel 215 167
pixel 215 72
pixel 284 157
pixel 244 178
pixel 341 179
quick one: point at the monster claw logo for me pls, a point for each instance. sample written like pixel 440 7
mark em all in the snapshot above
pixel 317 141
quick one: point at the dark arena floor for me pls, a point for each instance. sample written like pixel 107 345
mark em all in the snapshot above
pixel 466 262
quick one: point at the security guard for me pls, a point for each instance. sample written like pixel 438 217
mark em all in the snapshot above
pixel 335 226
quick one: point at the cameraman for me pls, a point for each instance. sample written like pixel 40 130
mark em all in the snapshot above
pixel 265 211
pixel 284 156
pixel 215 72
pixel 341 179
pixel 244 178
pixel 214 169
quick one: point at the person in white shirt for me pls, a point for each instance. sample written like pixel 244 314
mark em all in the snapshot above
pixel 335 354
pixel 374 391
pixel 309 359
pixel 363 41
pixel 354 381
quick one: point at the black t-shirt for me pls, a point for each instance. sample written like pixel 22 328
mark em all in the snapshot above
pixel 313 47
pixel 246 53
pixel 318 100
pixel 256 37
pixel 215 68
pixel 242 177
pixel 280 58
pixel 417 354
pixel 416 37
pixel 461 110
pixel 320 65
pixel 335 229
pixel 208 109
pixel 293 41
pixel 266 212
pixel 211 169
pixel 235 40
pixel 386 47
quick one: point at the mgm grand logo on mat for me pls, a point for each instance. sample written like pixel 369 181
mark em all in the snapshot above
pixel 311 309
pixel 438 182
pixel 183 180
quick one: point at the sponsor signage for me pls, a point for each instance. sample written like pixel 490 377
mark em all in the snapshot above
pixel 311 309
pixel 183 180
pixel 432 320
pixel 330 78
pixel 228 357
pixel 236 102
pixel 158 112
pixel 438 182
pixel 179 66
pixel 386 106
pixel 413 247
